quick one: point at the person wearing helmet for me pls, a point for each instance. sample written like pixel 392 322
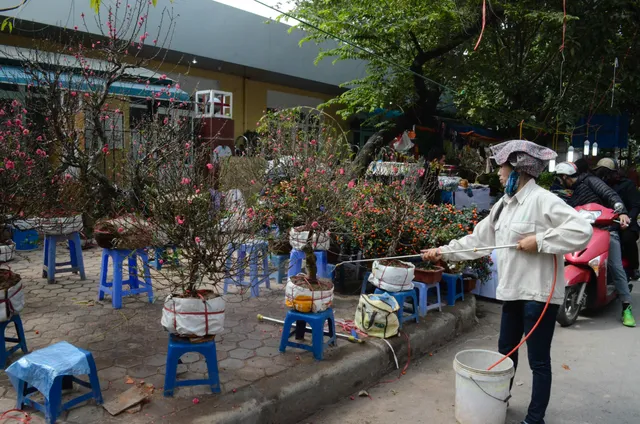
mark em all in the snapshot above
pixel 543 227
pixel 608 170
pixel 588 188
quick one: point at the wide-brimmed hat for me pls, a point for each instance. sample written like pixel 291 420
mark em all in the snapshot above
pixel 523 155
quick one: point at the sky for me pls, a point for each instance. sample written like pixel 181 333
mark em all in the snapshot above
pixel 254 7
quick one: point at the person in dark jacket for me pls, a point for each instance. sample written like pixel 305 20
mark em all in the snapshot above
pixel 588 188
pixel 607 169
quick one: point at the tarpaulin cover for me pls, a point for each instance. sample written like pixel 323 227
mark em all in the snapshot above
pixel 41 367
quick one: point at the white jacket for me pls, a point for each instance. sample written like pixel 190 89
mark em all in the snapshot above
pixel 558 228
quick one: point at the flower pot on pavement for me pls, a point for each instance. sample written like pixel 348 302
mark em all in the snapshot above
pixel 428 276
pixel 305 296
pixel 11 294
pixel 59 226
pixel 392 275
pixel 299 237
pixel 7 250
pixel 469 285
pixel 194 316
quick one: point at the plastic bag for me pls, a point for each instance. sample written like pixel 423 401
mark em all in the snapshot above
pixel 192 316
pixel 11 302
pixel 41 367
pixel 404 144
pixel 305 300
pixel 376 315
pixel 391 278
pixel 298 240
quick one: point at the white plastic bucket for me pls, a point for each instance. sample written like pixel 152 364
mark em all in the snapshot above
pixel 481 395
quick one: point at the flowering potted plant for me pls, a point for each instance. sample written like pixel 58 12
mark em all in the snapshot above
pixel 310 176
pixel 179 206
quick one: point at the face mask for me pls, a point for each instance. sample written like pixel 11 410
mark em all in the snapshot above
pixel 512 184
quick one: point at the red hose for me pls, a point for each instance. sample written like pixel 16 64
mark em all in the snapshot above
pixel 546 306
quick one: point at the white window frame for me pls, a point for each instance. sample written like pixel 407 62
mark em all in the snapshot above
pixel 213 104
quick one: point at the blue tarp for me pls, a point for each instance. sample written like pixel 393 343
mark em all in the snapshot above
pixel 17 75
pixel 608 131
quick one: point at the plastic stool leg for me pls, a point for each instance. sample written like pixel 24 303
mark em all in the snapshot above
pixel 53 402
pixel 253 271
pixel 79 258
pixel 104 270
pixel 286 332
pixel 211 359
pixel 228 264
pixel 22 340
pixel 3 346
pixel 72 252
pixel 94 380
pixel 51 260
pixel 332 330
pixel 242 262
pixel 116 289
pixel 132 262
pixel 22 390
pixel 171 370
pixel 317 338
pixel 439 297
pixel 265 265
pixel 45 257
pixel 147 275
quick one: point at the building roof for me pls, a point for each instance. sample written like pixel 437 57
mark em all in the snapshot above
pixel 220 37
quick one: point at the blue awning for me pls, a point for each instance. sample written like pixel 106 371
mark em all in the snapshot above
pixel 18 76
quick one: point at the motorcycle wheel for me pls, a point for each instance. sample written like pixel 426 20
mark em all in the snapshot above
pixel 569 311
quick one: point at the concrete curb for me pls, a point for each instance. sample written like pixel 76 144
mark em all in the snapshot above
pixel 293 395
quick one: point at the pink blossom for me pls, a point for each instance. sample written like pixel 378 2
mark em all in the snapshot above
pixel 253 182
pixel 251 213
pixel 421 172
pixel 25 132
pixel 105 149
pixel 86 95
pixel 74 94
pixel 198 240
pixel 187 145
pixel 185 181
pixel 302 190
pixel 209 166
pixel 341 171
pixel 314 224
pixel 179 220
pixel 163 76
pixel 9 164
pixel 121 230
pixel 351 184
pixel 41 153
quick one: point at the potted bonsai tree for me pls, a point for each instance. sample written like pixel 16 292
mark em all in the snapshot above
pixel 309 173
pixel 181 212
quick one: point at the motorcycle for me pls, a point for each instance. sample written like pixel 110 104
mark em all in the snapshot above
pixel 585 272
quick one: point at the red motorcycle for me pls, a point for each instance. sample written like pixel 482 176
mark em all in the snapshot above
pixel 585 272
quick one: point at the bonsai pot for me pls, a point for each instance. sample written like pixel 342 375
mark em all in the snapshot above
pixel 429 276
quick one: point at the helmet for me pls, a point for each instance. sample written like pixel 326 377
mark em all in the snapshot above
pixel 608 163
pixel 566 168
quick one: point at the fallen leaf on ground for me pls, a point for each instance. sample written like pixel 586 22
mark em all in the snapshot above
pixel 129 381
pixel 566 367
pixel 395 392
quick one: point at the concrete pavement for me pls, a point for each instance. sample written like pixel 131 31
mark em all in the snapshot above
pixel 595 362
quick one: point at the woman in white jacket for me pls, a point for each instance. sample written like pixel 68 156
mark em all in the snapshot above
pixel 543 226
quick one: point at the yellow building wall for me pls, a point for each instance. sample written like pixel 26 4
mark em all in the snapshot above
pixel 249 96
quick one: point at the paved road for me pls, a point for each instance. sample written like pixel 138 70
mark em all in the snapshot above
pixel 596 367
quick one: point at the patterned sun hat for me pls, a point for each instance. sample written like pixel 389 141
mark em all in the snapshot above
pixel 524 155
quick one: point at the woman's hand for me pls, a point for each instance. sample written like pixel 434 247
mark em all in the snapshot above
pixel 528 244
pixel 431 255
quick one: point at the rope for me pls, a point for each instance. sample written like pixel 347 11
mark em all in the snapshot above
pixel 484 23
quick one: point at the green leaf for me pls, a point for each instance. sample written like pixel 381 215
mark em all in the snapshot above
pixel 95 5
pixel 7 22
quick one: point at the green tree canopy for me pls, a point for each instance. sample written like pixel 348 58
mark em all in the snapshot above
pixel 419 50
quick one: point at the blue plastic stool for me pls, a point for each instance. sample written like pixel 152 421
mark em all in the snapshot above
pixel 279 262
pixel 41 362
pixel 20 341
pixel 297 256
pixel 402 297
pixel 159 253
pixel 423 292
pixel 114 288
pixel 178 346
pixel 50 267
pixel 452 281
pixel 316 322
pixel 253 250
